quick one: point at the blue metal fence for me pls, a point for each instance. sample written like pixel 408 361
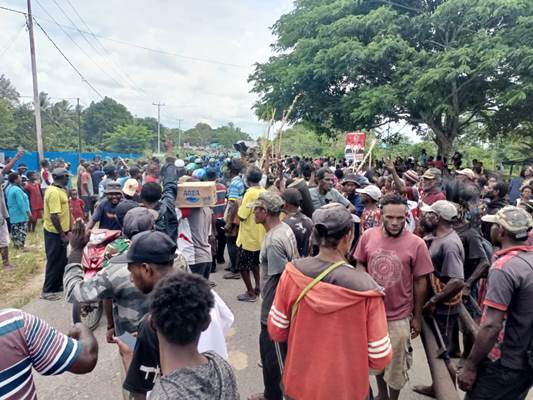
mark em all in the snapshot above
pixel 31 158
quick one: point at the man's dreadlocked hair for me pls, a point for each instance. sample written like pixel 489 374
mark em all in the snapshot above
pixel 462 194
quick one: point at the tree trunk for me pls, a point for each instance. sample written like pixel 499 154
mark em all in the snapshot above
pixel 444 144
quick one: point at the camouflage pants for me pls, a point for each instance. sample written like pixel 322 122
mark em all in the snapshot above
pixel 18 233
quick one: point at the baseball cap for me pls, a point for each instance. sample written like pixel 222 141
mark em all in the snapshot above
pixel 136 220
pixel 512 219
pixel 352 178
pixel 362 180
pixel 270 201
pixel 466 172
pixel 122 209
pixel 109 169
pixel 59 172
pixel 411 175
pixel 179 163
pixel 443 208
pixel 332 218
pixel 432 173
pixel 372 191
pixel 292 196
pixel 130 186
pixel 148 247
pixel 112 187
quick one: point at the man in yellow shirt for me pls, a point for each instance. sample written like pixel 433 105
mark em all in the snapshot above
pixel 56 224
pixel 250 236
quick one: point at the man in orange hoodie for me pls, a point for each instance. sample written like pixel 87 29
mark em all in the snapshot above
pixel 332 316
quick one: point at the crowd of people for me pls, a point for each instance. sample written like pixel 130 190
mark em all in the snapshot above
pixel 350 263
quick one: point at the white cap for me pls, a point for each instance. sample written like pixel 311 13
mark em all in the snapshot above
pixel 371 190
pixel 179 163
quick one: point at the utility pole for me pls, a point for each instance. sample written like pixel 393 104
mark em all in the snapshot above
pixel 79 128
pixel 36 100
pixel 179 132
pixel 159 105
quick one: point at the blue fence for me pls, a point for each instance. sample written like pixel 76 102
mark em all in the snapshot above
pixel 31 158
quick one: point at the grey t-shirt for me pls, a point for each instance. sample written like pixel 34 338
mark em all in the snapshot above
pixel 510 289
pixel 333 196
pixel 212 381
pixel 448 256
pixel 279 247
pixel 200 224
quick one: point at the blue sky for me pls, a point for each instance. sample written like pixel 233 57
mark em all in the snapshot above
pixel 226 32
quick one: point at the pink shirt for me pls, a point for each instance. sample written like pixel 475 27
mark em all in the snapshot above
pixel 394 263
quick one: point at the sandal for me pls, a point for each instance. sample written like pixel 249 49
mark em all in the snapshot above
pixel 247 297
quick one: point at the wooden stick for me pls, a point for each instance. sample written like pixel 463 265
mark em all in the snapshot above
pixel 284 118
pixel 366 156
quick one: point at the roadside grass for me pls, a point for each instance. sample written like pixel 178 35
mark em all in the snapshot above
pixel 18 286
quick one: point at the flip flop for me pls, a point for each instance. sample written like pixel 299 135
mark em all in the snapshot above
pixel 247 297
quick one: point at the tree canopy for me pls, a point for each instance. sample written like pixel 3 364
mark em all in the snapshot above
pixel 441 64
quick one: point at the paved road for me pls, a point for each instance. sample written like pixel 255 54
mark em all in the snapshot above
pixel 104 382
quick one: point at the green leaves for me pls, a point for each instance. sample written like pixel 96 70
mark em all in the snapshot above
pixel 438 63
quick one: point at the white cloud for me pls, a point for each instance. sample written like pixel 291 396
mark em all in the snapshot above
pixel 233 32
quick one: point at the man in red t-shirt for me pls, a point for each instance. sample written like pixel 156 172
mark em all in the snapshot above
pixel 432 186
pixel 399 261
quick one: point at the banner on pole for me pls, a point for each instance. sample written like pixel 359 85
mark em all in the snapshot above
pixel 355 146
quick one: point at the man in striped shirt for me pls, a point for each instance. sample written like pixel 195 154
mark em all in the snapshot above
pixel 27 341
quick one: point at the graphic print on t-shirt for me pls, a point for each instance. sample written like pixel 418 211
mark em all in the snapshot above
pixel 385 267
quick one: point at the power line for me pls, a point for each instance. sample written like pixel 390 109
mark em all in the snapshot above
pixel 67 60
pixel 107 52
pixel 12 10
pixel 12 40
pixel 77 45
pixel 80 31
pixel 143 47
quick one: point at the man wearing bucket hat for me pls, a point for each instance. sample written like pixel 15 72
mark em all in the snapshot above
pixel 371 216
pixel 56 225
pixel 431 181
pixel 501 368
pixel 279 247
pixel 105 212
pixel 447 281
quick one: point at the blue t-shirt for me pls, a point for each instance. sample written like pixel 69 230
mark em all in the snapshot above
pixel 105 214
pixel 18 204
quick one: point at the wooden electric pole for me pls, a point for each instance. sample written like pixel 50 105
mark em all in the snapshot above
pixel 159 105
pixel 36 100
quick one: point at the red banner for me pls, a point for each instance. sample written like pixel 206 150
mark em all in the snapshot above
pixel 355 146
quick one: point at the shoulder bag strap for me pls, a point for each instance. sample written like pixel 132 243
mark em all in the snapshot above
pixel 312 284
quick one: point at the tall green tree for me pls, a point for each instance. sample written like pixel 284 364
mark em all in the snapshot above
pixel 103 116
pixel 201 135
pixel 129 138
pixel 7 125
pixel 229 134
pixel 442 64
pixel 8 91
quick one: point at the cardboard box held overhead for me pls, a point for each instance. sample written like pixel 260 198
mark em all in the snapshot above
pixel 196 194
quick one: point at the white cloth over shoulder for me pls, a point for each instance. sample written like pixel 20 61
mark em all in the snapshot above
pixel 213 338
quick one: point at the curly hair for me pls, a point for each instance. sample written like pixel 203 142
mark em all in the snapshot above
pixel 180 308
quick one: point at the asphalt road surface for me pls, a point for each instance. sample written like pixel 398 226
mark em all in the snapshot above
pixel 105 381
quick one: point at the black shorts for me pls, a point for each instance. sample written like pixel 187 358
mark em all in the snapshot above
pixel 247 260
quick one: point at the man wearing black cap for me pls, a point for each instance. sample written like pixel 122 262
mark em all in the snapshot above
pixel 350 183
pixel 150 258
pixel 56 224
pixel 105 211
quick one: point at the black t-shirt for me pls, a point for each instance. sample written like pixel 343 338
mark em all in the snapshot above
pixel 302 227
pixel 144 367
pixel 473 247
